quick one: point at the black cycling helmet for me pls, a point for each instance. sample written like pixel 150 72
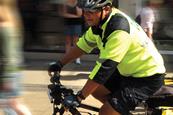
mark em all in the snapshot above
pixel 93 4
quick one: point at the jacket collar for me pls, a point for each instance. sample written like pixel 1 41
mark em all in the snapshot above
pixel 98 29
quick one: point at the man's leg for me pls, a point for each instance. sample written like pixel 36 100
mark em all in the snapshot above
pixel 101 93
pixel 111 85
pixel 107 109
pixel 112 104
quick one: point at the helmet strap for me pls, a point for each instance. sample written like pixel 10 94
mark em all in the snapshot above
pixel 101 17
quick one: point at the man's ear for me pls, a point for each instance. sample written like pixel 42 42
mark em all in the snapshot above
pixel 107 9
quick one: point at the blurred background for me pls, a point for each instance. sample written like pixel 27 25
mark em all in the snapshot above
pixel 43 26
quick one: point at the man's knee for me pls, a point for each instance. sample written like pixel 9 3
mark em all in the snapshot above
pixel 101 94
pixel 101 97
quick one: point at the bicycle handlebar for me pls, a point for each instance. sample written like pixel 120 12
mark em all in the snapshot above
pixel 57 92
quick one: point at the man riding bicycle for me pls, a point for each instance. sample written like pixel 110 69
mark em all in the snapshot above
pixel 129 68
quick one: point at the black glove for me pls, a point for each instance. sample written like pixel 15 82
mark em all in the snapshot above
pixel 71 101
pixel 55 66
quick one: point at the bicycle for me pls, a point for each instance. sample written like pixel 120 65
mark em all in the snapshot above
pixel 57 92
pixel 152 106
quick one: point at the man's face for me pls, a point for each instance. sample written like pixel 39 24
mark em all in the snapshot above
pixel 92 18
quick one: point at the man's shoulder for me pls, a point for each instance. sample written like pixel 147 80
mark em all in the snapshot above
pixel 117 22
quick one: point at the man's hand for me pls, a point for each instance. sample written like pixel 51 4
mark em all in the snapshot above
pixel 71 101
pixel 55 67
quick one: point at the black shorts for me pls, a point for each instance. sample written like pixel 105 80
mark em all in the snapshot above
pixel 128 92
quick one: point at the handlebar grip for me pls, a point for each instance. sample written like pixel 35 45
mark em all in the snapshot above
pixel 55 73
pixel 55 78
